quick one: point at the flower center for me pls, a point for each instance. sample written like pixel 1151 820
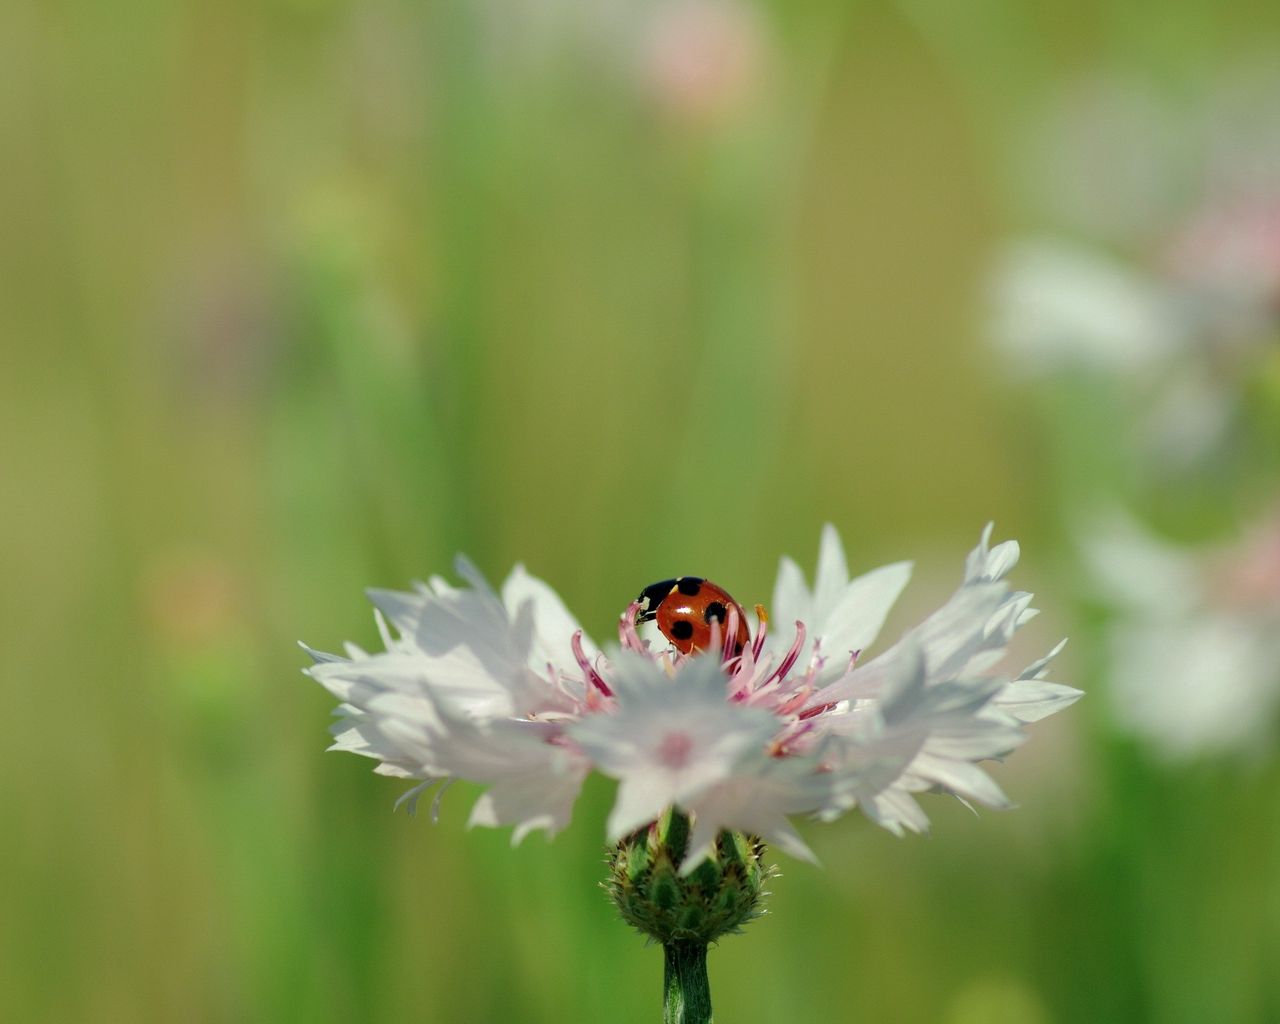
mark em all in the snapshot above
pixel 675 749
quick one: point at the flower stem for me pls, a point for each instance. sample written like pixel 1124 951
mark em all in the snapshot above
pixel 686 991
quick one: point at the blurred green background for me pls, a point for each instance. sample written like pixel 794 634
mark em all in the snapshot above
pixel 302 296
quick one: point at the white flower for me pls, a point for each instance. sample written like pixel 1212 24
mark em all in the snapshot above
pixel 1194 649
pixel 1058 305
pixel 505 690
pixel 1167 275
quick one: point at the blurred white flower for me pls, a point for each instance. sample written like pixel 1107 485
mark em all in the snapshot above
pixel 1059 305
pixel 504 689
pixel 1194 665
pixel 1165 272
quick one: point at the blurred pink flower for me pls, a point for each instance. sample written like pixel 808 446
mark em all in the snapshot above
pixel 1226 257
pixel 1194 649
pixel 701 59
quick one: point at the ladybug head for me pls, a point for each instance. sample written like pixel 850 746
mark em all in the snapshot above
pixel 652 596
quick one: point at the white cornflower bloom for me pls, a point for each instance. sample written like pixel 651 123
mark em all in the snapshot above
pixel 740 729
pixel 1194 666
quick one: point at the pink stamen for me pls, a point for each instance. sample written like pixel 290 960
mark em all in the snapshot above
pixel 717 636
pixel 727 651
pixel 780 748
pixel 595 701
pixel 627 634
pixel 777 678
pixel 559 681
pixel 794 703
pixel 743 673
pixel 789 659
pixel 757 645
pixel 588 670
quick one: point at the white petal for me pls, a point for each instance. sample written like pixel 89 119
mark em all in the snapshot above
pixel 1037 668
pixel 757 800
pixel 833 571
pixel 553 625
pixel 962 778
pixel 1032 700
pixel 923 735
pixel 790 595
pixel 403 610
pixel 641 799
pixel 855 621
pixel 529 801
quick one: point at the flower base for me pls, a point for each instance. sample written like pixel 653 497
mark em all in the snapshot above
pixel 720 895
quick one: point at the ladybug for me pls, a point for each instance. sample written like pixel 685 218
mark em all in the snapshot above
pixel 685 607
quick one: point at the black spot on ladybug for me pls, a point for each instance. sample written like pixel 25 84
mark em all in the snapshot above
pixel 715 610
pixel 689 585
pixel 682 629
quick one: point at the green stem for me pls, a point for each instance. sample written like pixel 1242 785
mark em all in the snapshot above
pixel 686 991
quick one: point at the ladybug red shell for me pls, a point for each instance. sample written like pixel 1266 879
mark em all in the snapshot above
pixel 684 609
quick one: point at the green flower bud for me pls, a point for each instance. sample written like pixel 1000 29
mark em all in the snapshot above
pixel 719 896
